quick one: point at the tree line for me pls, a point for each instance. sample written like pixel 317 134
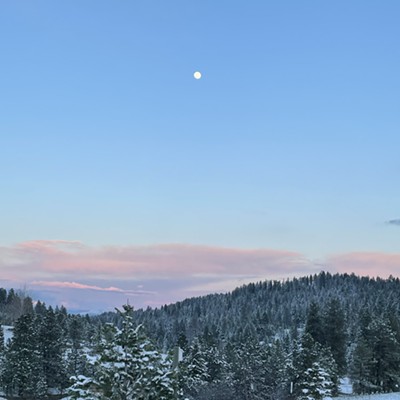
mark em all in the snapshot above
pixel 270 340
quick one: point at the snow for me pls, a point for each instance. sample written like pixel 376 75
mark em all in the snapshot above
pixel 345 386
pixel 346 389
pixel 386 396
pixel 8 333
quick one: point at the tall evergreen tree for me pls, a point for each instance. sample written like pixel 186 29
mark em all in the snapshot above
pixel 275 371
pixel 314 325
pixel 193 370
pixel 77 360
pixel 52 347
pixel 3 296
pixel 376 359
pixel 2 344
pixel 40 308
pixel 23 373
pixel 315 371
pixel 128 368
pixel 335 333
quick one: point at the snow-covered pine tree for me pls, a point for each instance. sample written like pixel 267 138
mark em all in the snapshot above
pixel 275 367
pixel 77 360
pixel 315 371
pixel 51 345
pixel 376 359
pixel 128 367
pixel 250 375
pixel 82 388
pixel 193 370
pixel 23 373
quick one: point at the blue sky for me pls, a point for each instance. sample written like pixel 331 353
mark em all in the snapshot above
pixel 289 142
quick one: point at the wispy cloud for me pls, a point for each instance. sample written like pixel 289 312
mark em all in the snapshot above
pixel 61 258
pixel 83 286
pixel 157 274
pixel 367 263
pixel 100 278
pixel 394 222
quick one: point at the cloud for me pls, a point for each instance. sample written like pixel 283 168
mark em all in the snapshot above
pixel 82 286
pixel 88 278
pixel 394 222
pixel 49 259
pixel 95 278
pixel 366 263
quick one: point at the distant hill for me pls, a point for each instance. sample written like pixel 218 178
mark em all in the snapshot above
pixel 270 308
pixel 272 340
pixel 275 336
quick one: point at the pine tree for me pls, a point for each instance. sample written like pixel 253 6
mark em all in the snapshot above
pixel 216 362
pixel 194 369
pixel 2 346
pixel 77 360
pixel 249 376
pixel 2 354
pixel 82 387
pixel 361 367
pixel 40 308
pixel 23 373
pixel 52 347
pixel 275 371
pixel 128 367
pixel 315 371
pixel 335 334
pixel 376 359
pixel 27 306
pixel 314 324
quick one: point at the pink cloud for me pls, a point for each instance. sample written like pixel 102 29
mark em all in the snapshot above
pixel 367 263
pixel 63 258
pixel 66 271
pixel 82 286
pixel 50 247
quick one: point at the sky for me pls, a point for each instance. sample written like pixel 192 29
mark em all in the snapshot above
pixel 123 178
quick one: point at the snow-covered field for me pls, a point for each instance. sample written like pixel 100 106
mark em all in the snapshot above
pixel 386 396
pixel 346 390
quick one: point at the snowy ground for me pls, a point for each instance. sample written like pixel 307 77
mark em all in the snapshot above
pixel 8 333
pixel 347 390
pixel 345 386
pixel 386 396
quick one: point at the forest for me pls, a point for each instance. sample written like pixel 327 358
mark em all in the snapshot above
pixel 292 339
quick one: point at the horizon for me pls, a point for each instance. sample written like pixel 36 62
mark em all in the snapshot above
pixel 124 176
pixel 35 295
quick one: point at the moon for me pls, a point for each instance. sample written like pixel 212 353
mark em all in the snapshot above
pixel 197 75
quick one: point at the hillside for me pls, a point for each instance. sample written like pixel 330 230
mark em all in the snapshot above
pixel 347 321
pixel 291 340
pixel 270 308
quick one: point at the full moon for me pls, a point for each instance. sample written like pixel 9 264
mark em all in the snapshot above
pixel 197 75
